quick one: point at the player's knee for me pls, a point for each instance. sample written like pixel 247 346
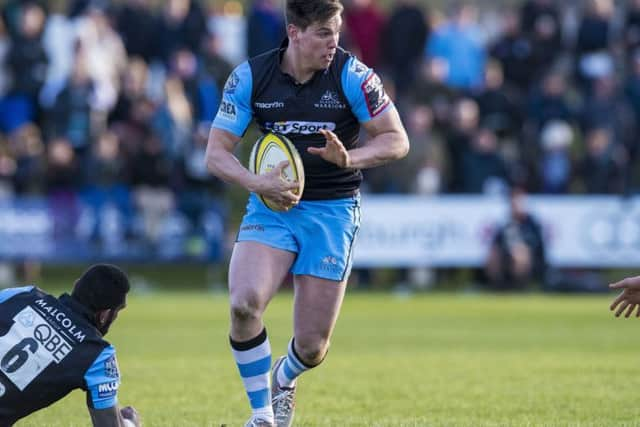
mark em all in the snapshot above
pixel 312 351
pixel 245 309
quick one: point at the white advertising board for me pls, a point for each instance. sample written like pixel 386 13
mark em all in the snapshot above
pixel 580 231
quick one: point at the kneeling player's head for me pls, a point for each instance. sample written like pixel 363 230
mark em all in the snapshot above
pixel 103 290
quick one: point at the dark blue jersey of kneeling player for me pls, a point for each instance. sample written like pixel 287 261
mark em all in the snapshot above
pixel 338 99
pixel 49 347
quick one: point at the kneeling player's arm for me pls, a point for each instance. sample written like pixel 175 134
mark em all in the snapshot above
pixel 102 381
pixel 112 417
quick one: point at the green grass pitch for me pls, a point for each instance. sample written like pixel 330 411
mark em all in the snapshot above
pixel 427 360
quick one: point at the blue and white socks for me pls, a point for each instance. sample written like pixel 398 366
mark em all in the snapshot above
pixel 253 358
pixel 291 368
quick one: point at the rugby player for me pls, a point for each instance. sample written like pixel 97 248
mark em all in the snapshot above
pixel 50 346
pixel 318 95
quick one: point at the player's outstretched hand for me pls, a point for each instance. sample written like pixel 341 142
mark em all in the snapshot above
pixel 629 298
pixel 130 415
pixel 333 151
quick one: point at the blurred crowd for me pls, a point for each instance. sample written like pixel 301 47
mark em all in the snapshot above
pixel 109 103
pixel 105 110
pixel 544 95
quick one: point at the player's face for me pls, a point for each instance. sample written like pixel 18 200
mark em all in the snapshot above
pixel 319 41
pixel 107 317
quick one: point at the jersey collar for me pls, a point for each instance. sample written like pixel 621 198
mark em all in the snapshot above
pixel 68 301
pixel 283 47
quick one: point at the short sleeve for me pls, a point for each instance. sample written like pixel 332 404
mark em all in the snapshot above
pixel 364 90
pixel 102 380
pixel 5 294
pixel 234 113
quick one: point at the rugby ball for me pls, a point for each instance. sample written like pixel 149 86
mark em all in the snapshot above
pixel 267 153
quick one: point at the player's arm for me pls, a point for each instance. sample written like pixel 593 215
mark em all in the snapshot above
pixel 114 417
pixel 224 164
pixel 102 381
pixel 369 102
pixel 230 123
pixel 387 141
pixel 8 293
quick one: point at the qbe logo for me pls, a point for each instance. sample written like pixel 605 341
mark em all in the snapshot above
pixel 30 346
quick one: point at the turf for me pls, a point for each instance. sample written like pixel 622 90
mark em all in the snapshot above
pixel 428 360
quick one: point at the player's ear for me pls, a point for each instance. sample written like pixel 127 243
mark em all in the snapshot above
pixel 292 32
pixel 102 316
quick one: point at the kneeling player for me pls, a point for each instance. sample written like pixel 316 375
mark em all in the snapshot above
pixel 50 346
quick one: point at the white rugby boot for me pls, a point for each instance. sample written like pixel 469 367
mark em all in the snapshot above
pixel 259 421
pixel 283 399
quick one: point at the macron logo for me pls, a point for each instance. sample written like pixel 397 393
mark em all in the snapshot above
pixel 269 105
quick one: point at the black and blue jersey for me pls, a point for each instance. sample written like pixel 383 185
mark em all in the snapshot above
pixel 49 347
pixel 338 99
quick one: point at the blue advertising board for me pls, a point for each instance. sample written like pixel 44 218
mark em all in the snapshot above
pixel 43 229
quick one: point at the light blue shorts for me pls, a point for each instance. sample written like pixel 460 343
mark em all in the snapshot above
pixel 321 232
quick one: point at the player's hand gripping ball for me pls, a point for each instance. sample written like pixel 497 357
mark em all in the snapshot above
pixel 267 153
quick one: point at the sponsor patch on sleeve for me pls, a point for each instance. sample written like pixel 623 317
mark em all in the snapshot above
pixel 111 367
pixel 357 67
pixel 228 111
pixel 374 94
pixel 106 390
pixel 232 83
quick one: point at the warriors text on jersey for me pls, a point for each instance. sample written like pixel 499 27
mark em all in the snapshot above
pixel 338 99
pixel 49 347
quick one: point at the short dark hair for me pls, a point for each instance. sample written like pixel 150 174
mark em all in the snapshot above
pixel 303 13
pixel 101 287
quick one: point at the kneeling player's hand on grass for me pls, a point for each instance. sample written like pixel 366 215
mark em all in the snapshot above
pixel 629 299
pixel 130 414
